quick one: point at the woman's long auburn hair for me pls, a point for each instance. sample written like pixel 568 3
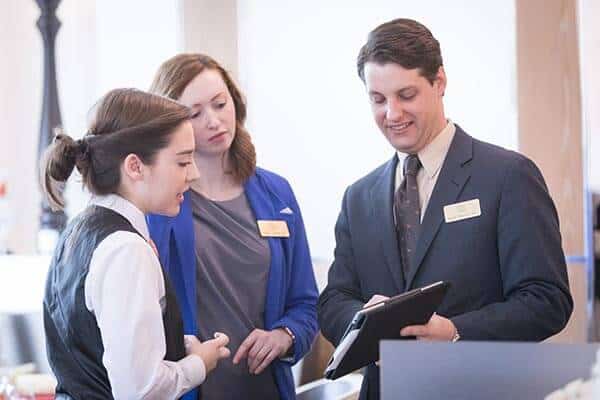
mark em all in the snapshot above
pixel 172 78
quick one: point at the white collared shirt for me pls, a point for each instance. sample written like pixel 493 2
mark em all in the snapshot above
pixel 123 289
pixel 432 157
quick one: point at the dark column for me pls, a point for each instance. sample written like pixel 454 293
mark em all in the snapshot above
pixel 48 25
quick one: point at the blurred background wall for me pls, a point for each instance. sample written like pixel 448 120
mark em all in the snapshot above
pixel 308 112
pixel 521 74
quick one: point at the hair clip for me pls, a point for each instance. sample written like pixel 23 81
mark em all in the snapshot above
pixel 57 131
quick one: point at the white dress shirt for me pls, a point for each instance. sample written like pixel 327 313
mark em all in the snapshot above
pixel 432 157
pixel 124 289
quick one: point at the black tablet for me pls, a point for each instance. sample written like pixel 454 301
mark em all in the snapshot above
pixel 384 320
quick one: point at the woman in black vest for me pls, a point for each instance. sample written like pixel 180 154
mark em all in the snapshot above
pixel 112 323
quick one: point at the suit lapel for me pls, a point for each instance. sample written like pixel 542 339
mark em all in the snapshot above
pixel 454 175
pixel 382 195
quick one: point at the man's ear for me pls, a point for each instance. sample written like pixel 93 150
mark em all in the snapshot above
pixel 440 80
pixel 133 167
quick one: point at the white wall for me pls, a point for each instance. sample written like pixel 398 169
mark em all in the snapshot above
pixel 210 27
pixel 308 114
pixel 127 43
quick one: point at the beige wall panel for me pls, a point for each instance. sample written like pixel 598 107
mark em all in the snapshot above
pixel 576 329
pixel 210 27
pixel 549 104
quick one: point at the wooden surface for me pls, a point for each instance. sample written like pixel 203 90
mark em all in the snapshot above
pixel 549 107
pixel 576 329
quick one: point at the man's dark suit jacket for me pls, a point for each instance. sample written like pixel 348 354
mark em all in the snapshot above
pixel 506 267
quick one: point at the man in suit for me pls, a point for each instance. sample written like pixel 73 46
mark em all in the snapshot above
pixel 445 207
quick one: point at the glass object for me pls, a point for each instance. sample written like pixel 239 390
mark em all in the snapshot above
pixel 596 378
pixel 8 391
pixel 6 387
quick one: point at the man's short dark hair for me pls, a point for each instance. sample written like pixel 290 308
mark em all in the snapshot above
pixel 405 42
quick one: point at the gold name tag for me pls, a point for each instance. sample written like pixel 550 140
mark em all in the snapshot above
pixel 463 210
pixel 270 228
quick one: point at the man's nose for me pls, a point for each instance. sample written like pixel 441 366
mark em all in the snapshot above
pixel 394 111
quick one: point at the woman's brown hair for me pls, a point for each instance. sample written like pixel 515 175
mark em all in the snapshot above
pixel 126 121
pixel 172 78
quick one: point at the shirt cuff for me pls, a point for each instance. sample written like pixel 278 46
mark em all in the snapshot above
pixel 194 369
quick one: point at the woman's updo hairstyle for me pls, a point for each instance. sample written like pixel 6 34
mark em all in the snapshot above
pixel 126 121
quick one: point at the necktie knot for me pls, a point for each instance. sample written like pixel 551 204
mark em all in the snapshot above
pixel 411 165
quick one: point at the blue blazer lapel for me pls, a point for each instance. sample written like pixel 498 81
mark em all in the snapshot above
pixel 185 242
pixel 265 206
pixel 382 210
pixel 454 175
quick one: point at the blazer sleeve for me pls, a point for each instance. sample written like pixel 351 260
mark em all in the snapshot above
pixel 537 301
pixel 300 313
pixel 342 298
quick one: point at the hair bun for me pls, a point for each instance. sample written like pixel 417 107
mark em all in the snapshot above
pixel 62 157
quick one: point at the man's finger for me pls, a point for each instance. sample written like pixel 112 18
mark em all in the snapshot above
pixel 375 299
pixel 414 330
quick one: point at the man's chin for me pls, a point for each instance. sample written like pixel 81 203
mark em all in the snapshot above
pixel 404 146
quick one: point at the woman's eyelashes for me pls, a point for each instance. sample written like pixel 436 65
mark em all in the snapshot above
pixel 219 106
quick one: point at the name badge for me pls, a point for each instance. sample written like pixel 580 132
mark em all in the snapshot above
pixel 273 228
pixel 463 210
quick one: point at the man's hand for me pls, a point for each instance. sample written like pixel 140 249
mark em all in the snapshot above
pixel 438 328
pixel 375 299
pixel 262 347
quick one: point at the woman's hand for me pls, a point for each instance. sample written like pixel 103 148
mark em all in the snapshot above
pixel 262 347
pixel 210 351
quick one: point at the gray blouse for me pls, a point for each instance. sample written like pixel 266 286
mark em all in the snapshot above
pixel 233 263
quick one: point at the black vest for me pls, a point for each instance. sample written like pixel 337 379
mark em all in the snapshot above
pixel 73 342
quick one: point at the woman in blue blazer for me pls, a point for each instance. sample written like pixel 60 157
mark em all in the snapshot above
pixel 237 252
